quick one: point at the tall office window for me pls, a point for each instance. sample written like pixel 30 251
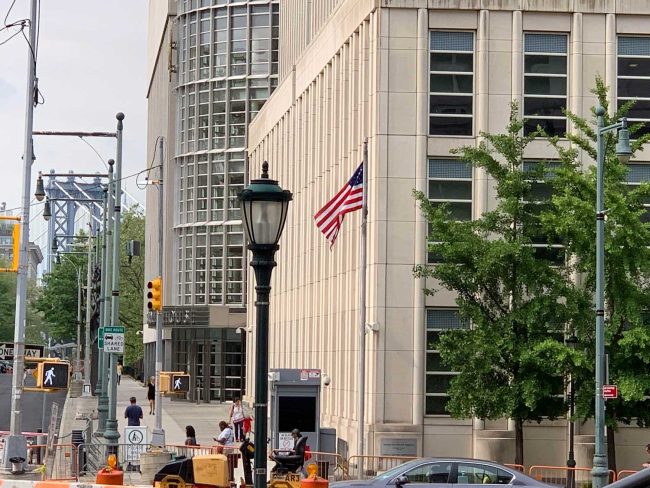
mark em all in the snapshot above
pixel 545 83
pixel 438 376
pixel 634 78
pixel 640 173
pixel 450 183
pixel 546 246
pixel 451 83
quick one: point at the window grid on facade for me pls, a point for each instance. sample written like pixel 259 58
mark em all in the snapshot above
pixel 450 183
pixel 451 83
pixel 228 64
pixel 540 195
pixel 633 80
pixel 438 376
pixel 545 83
pixel 637 174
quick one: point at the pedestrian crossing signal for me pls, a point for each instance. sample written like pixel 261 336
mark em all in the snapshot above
pixel 180 383
pixel 53 375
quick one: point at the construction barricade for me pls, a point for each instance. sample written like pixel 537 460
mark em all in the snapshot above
pixel 517 467
pixel 625 473
pixel 330 465
pixel 366 467
pixel 61 462
pixel 559 475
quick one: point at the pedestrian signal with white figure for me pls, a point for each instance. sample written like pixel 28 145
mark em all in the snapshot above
pixel 53 375
pixel 174 382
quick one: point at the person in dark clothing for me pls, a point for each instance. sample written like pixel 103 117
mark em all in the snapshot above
pixel 151 395
pixel 190 436
pixel 133 413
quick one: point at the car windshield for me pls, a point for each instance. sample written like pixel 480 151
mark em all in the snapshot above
pixel 391 473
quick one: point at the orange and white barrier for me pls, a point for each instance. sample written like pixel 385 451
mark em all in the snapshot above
pixel 5 483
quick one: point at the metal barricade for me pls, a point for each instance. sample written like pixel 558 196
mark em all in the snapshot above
pixel 189 451
pixel 93 457
pixel 330 465
pixel 517 467
pixel 558 475
pixel 624 473
pixel 366 467
pixel 61 462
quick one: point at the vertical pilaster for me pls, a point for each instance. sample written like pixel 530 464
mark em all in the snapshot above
pixel 610 61
pixel 575 93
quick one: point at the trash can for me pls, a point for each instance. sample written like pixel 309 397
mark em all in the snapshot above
pixel 77 439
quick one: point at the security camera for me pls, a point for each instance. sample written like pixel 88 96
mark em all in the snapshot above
pixel 327 380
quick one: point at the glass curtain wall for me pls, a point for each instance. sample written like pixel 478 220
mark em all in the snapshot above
pixel 228 64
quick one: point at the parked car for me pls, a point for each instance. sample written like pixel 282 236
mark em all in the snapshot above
pixel 443 472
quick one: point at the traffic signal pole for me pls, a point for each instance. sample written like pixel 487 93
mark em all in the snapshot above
pixel 158 434
pixel 16 444
pixel 111 434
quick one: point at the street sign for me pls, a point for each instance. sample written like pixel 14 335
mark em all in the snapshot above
pixel 610 392
pixel 136 443
pixel 114 339
pixel 31 351
pixel 100 338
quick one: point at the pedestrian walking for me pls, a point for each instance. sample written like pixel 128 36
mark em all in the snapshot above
pixel 151 395
pixel 237 417
pixel 190 436
pixel 119 371
pixel 133 413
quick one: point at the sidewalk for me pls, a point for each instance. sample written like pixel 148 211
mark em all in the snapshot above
pixel 204 417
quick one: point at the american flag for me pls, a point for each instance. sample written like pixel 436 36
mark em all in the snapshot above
pixel 348 199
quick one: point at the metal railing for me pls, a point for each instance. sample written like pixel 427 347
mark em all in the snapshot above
pixel 365 467
pixel 517 467
pixel 558 475
pixel 330 465
pixel 61 462
pixel 93 457
pixel 625 473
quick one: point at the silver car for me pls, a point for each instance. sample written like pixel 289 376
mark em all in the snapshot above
pixel 443 472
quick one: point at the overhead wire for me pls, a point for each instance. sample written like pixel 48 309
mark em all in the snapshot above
pixel 149 166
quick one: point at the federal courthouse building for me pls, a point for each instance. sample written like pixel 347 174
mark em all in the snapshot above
pixel 418 78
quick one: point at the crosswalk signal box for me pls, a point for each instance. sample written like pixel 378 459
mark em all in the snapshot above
pixel 180 383
pixel 53 375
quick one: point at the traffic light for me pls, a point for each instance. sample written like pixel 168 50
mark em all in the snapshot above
pixel 53 374
pixel 15 234
pixel 155 294
pixel 180 383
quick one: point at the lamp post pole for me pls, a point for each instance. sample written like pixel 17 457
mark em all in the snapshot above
pixel 264 211
pixel 111 434
pixel 599 471
pixel 102 379
pixel 87 390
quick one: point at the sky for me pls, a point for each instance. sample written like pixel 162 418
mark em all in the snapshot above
pixel 91 64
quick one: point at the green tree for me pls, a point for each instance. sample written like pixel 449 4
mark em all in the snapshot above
pixel 7 305
pixel 57 300
pixel 627 263
pixel 132 286
pixel 513 361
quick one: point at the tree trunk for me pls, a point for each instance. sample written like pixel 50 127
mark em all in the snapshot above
pixel 519 442
pixel 611 449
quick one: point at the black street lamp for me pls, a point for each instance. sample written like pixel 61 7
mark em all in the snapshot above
pixel 40 191
pixel 47 210
pixel 264 208
pixel 571 342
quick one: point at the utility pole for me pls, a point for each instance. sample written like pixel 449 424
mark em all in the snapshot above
pixel 87 390
pixel 158 435
pixel 111 434
pixel 102 383
pixel 15 443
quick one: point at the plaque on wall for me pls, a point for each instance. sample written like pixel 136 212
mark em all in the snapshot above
pixel 398 446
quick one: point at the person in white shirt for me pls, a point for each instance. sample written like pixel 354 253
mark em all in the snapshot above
pixel 225 436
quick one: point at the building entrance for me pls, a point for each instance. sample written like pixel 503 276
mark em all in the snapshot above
pixel 215 359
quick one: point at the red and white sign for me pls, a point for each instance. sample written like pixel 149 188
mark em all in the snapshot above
pixel 610 392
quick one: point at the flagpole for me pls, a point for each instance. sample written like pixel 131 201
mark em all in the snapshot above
pixel 362 307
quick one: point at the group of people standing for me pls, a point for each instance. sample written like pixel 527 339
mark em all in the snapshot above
pixel 230 432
